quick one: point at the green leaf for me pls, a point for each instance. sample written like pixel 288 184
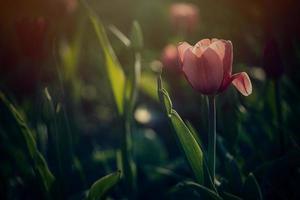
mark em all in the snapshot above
pixel 195 133
pixel 132 85
pixel 136 36
pixel 39 163
pixel 166 101
pixel 114 71
pixel 190 147
pixel 43 171
pixel 148 86
pixel 70 51
pixel 121 36
pixel 251 189
pixel 228 196
pixel 202 190
pixel 103 185
pixel 233 172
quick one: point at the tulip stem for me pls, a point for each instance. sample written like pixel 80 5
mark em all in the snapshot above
pixel 212 136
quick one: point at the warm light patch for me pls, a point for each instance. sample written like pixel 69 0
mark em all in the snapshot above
pixel 142 115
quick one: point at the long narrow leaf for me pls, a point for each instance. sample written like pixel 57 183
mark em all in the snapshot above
pixel 114 71
pixel 202 190
pixel 148 86
pixel 40 165
pixel 136 36
pixel 251 188
pixel 121 36
pixel 103 185
pixel 195 134
pixel 190 147
pixel 228 196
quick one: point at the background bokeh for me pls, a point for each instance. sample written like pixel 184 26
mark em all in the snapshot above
pixel 52 69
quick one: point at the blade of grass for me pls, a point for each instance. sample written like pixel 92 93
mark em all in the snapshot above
pixel 114 71
pixel 251 188
pixel 136 36
pixel 39 163
pixel 121 36
pixel 148 86
pixel 53 132
pixel 132 83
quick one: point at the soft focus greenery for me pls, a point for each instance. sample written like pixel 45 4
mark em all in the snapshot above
pixel 94 114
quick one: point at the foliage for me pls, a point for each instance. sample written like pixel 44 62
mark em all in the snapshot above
pixel 95 101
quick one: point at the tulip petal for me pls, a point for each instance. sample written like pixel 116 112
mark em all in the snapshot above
pixel 226 53
pixel 205 73
pixel 203 42
pixel 214 40
pixel 182 47
pixel 242 83
pixel 224 49
pixel 198 50
pixel 219 47
pixel 228 58
pixel 200 47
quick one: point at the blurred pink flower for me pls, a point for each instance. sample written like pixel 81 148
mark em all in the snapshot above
pixel 31 34
pixel 208 67
pixel 169 58
pixel 70 5
pixel 184 16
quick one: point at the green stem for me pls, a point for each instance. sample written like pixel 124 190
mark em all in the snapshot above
pixel 212 136
pixel 279 117
pixel 129 167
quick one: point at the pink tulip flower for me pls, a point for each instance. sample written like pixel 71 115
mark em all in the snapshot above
pixel 208 67
pixel 70 6
pixel 184 16
pixel 169 58
pixel 31 35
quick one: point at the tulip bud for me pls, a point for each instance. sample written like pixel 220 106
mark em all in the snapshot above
pixel 31 35
pixel 208 67
pixel 272 62
pixel 184 16
pixel 169 58
pixel 70 5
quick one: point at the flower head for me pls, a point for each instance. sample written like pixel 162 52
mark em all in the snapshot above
pixel 184 16
pixel 70 6
pixel 208 67
pixel 31 34
pixel 169 58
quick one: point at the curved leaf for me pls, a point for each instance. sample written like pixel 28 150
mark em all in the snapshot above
pixel 114 70
pixel 195 134
pixel 232 170
pixel 136 36
pixel 148 86
pixel 228 196
pixel 39 163
pixel 121 36
pixel 251 188
pixel 199 188
pixel 101 186
pixel 190 147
